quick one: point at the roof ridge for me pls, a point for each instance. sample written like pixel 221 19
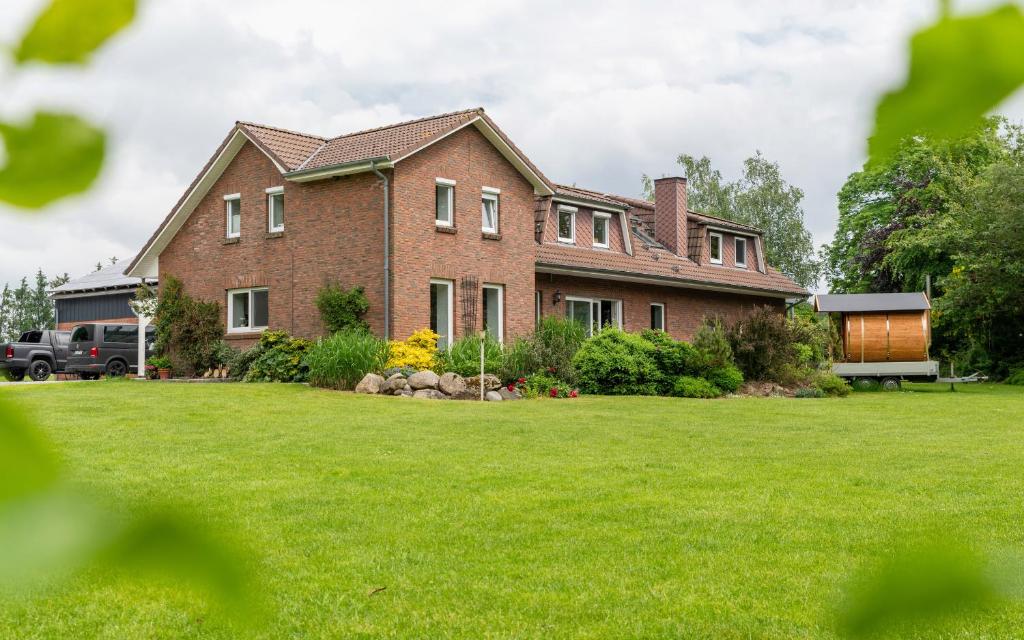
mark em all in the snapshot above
pixel 477 110
pixel 267 126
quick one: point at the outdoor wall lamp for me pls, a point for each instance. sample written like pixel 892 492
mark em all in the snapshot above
pixel 555 299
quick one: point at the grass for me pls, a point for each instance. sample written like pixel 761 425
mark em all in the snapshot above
pixel 588 518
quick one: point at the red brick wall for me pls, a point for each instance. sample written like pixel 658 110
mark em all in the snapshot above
pixel 684 308
pixel 333 232
pixel 585 229
pixel 670 214
pixel 422 253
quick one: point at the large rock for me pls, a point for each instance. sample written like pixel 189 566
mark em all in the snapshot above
pixel 370 383
pixel 491 382
pixel 451 383
pixel 423 380
pixel 509 395
pixel 404 393
pixel 493 396
pixel 394 383
pixel 429 394
pixel 466 394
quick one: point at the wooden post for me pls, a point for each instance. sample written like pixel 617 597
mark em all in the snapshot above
pixel 483 335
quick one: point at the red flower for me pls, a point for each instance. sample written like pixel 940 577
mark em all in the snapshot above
pixel 551 369
pixel 574 394
pixel 511 387
pixel 553 392
pixel 521 380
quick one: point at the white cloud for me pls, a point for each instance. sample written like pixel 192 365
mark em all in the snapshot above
pixel 596 94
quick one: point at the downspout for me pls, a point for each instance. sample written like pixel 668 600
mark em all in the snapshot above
pixel 387 252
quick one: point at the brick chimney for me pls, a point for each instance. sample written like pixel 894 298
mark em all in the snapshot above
pixel 670 214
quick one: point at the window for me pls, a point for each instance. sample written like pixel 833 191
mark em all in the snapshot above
pixel 444 202
pixel 234 215
pixel 657 316
pixel 741 252
pixel 82 333
pixel 275 208
pixel 567 224
pixel 716 248
pixel 538 297
pixel 248 310
pixel 601 221
pixel 594 314
pixel 121 333
pixel 494 312
pixel 489 210
pixel 441 305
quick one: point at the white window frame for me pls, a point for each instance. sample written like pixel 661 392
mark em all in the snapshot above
pixel 271 192
pixel 231 310
pixel 450 184
pixel 661 306
pixel 721 248
pixel 450 284
pixel 737 247
pixel 572 226
pixel 607 217
pixel 595 317
pixel 493 194
pixel 500 288
pixel 228 199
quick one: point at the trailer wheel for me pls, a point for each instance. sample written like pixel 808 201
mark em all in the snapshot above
pixel 890 384
pixel 865 384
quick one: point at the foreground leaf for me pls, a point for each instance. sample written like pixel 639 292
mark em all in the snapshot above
pixel 53 156
pixel 27 464
pixel 960 69
pixel 67 31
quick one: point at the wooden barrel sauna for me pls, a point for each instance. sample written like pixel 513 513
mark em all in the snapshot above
pixel 886 337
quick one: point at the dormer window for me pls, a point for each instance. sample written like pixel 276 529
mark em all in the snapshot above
pixel 233 205
pixel 489 209
pixel 601 222
pixel 716 248
pixel 741 252
pixel 567 224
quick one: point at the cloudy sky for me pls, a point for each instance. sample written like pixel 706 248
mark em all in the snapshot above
pixel 595 95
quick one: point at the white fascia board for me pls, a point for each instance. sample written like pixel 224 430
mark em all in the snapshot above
pixel 338 170
pixel 660 281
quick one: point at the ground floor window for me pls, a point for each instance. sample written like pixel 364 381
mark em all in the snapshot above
pixel 594 314
pixel 493 310
pixel 248 309
pixel 441 306
pixel 657 316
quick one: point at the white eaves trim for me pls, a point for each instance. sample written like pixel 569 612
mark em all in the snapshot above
pixel 148 265
pixel 661 281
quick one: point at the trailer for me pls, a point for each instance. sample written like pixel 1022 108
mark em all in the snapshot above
pixel 888 374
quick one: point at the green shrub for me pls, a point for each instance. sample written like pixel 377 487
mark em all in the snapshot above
pixel 518 360
pixel 223 353
pixel 340 361
pixel 463 356
pixel 243 360
pixel 712 341
pixel 691 387
pixel 768 346
pixel 809 392
pixel 555 344
pixel 188 331
pixel 614 362
pixel 831 385
pixel 341 308
pixel 281 359
pixel 1016 377
pixel 674 357
pixel 545 385
pixel 728 377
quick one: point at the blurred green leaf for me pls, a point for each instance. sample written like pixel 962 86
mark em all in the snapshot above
pixel 960 68
pixel 53 156
pixel 27 463
pixel 67 31
pixel 917 587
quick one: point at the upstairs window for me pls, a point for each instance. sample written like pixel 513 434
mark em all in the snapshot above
pixel 248 310
pixel 444 202
pixel 275 209
pixel 233 204
pixel 716 248
pixel 601 222
pixel 567 224
pixel 489 210
pixel 741 252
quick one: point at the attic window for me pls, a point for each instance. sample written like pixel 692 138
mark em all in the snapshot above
pixel 716 248
pixel 275 209
pixel 741 252
pixel 233 205
pixel 567 224
pixel 601 221
pixel 444 202
pixel 489 210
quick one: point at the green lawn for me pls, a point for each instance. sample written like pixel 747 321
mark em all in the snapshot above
pixel 588 518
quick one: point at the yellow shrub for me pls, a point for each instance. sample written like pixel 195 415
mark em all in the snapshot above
pixel 418 352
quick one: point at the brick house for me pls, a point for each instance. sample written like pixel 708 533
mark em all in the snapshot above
pixel 448 225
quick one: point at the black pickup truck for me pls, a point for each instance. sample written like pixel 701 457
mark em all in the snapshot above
pixel 37 353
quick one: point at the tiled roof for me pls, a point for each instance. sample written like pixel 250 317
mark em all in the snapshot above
pixel 289 147
pixel 668 266
pixel 585 194
pixel 109 277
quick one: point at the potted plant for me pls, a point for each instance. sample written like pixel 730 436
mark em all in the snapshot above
pixel 162 364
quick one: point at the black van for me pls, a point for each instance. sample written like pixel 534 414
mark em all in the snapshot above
pixel 111 349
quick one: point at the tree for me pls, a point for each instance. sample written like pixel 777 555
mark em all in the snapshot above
pixel 6 314
pixel 60 280
pixel 882 242
pixel 761 198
